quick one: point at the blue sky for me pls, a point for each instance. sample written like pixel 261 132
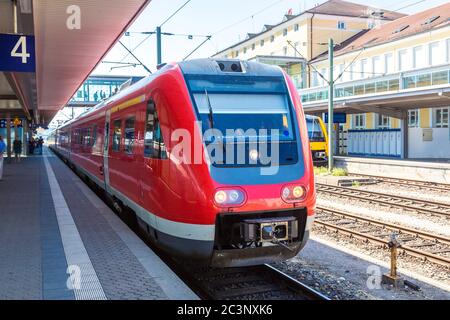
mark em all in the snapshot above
pixel 228 21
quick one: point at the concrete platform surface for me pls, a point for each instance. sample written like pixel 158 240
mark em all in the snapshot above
pixel 432 171
pixel 58 240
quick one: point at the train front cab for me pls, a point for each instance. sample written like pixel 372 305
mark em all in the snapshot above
pixel 271 224
pixel 318 139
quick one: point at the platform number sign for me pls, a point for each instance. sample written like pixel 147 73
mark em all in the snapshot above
pixel 20 49
pixel 17 53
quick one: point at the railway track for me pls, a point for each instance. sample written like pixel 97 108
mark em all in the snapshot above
pixel 414 205
pixel 420 244
pixel 255 282
pixel 424 185
pixel 262 282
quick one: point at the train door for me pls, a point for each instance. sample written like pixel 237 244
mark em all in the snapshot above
pixel 150 166
pixel 106 150
pixel 129 181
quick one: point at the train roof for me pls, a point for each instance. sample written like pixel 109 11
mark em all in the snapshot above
pixel 211 66
pixel 207 66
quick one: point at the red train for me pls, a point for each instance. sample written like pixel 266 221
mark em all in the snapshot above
pixel 211 155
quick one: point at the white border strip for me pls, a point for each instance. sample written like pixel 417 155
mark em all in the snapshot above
pixel 170 283
pixel 87 286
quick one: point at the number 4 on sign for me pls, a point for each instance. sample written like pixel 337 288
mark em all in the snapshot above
pixel 22 45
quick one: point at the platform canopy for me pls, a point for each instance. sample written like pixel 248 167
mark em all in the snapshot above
pixel 71 38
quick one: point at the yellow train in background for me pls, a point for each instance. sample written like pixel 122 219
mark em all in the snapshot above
pixel 318 140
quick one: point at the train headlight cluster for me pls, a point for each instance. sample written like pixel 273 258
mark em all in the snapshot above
pixel 229 197
pixel 293 193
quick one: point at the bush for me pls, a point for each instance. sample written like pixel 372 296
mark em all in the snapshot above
pixel 320 171
pixel 339 172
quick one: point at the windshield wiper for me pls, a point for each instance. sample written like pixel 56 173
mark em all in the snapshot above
pixel 211 115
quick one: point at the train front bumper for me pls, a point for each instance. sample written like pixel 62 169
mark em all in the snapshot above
pixel 251 244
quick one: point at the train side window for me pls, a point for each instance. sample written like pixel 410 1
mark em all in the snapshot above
pixel 149 126
pixel 87 137
pixel 158 144
pixel 154 146
pixel 129 135
pixel 94 136
pixel 117 135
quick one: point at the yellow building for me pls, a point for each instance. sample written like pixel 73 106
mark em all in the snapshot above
pixel 398 67
pixel 299 38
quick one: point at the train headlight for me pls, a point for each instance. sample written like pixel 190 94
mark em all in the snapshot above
pixel 220 197
pixel 293 193
pixel 229 197
pixel 254 155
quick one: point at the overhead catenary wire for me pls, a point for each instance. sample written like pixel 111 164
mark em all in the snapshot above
pixel 173 14
pixel 307 62
pixel 409 5
pixel 131 53
pixel 246 18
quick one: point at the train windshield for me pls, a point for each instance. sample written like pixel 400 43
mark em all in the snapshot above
pixel 249 115
pixel 315 132
pixel 242 108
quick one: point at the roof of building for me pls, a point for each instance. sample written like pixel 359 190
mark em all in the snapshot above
pixel 345 8
pixel 424 21
pixel 331 7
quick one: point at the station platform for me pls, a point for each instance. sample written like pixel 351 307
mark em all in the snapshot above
pixel 58 240
pixel 415 169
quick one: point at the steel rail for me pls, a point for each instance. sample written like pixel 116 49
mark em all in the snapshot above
pixel 257 280
pixel 440 209
pixel 380 240
pixel 407 182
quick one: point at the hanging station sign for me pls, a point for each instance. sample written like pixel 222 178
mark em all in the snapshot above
pixel 17 53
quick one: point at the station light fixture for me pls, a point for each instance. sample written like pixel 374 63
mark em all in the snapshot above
pixel 25 6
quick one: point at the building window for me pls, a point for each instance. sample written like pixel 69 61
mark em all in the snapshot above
pixel 237 53
pixel 359 121
pixel 341 25
pixel 262 43
pixel 245 50
pixel 285 32
pixel 377 68
pixel 388 63
pixel 441 118
pixel 419 60
pixel 296 27
pixel 413 118
pixel 341 70
pixel 404 60
pixel 384 122
pixel 364 68
pixel 351 72
pixel 253 46
pixel 285 50
pixel 315 79
pixel 448 50
pixel 323 72
pixel 296 45
pixel 117 135
pixel 272 38
pixel 129 135
pixel 436 54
